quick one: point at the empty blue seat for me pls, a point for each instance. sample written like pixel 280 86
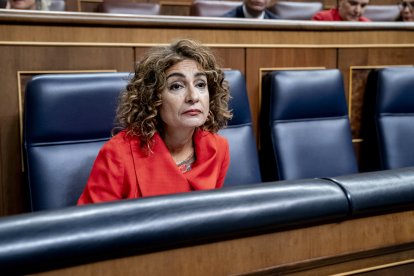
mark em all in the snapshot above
pixel 244 161
pixel 305 130
pixel 67 120
pixel 388 124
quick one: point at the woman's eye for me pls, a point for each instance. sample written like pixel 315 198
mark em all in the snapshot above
pixel 201 84
pixel 175 86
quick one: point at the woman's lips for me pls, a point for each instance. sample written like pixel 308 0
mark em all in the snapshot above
pixel 192 112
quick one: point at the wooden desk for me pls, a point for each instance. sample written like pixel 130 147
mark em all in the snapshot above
pixel 39 42
pixel 377 245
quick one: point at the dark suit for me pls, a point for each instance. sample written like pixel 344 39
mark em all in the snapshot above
pixel 238 13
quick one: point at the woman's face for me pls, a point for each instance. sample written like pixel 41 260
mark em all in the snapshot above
pixel 256 6
pixel 407 10
pixel 352 10
pixel 185 98
pixel 23 4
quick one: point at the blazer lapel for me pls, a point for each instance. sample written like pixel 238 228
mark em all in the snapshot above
pixel 157 172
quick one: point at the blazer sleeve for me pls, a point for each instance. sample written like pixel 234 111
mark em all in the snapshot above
pixel 105 182
pixel 225 164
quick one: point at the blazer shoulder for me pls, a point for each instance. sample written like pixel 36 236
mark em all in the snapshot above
pixel 235 13
pixel 270 15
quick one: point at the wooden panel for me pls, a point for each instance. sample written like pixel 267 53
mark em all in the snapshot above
pixel 21 58
pixel 252 254
pixel 228 58
pixel 281 58
pixel 231 58
pixel 88 5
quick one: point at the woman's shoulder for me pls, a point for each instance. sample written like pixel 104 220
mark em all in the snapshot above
pixel 213 137
pixel 118 141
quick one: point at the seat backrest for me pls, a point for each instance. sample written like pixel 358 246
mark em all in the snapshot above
pixel 244 161
pixel 389 119
pixel 382 12
pixel 296 10
pixel 305 125
pixel 130 8
pixel 68 117
pixel 3 4
pixel 212 8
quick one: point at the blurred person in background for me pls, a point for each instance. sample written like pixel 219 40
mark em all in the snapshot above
pixel 252 9
pixel 346 10
pixel 406 10
pixel 21 4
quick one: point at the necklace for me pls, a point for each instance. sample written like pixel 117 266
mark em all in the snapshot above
pixel 185 166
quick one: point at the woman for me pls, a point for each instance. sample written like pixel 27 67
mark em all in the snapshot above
pixel 407 10
pixel 169 114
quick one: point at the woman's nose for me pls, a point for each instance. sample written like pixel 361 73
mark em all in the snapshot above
pixel 192 94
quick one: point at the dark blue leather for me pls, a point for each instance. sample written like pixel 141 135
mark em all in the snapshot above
pixel 49 239
pixel 67 120
pixel 373 192
pixel 305 125
pixel 46 240
pixel 244 161
pixel 389 119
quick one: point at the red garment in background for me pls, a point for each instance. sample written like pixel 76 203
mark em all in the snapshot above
pixel 333 15
pixel 124 170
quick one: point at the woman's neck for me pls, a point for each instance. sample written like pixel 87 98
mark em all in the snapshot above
pixel 179 144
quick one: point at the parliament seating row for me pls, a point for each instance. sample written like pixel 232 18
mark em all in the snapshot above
pixel 283 9
pixel 305 130
pixel 53 239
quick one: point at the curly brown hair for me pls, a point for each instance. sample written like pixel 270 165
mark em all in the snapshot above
pixel 138 108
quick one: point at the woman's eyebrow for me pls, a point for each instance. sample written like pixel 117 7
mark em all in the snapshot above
pixel 176 74
pixel 181 75
pixel 200 74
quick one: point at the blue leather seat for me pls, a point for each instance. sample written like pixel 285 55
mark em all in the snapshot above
pixel 382 12
pixel 119 7
pixel 67 120
pixel 212 8
pixel 296 10
pixel 305 125
pixel 244 161
pixel 388 123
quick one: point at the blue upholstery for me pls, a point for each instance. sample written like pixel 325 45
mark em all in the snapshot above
pixel 67 120
pixel 305 125
pixel 296 10
pixel 244 161
pixel 382 12
pixel 122 7
pixel 50 239
pixel 71 236
pixel 389 119
pixel 375 192
pixel 212 8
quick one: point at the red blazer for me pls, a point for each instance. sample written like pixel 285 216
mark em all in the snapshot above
pixel 333 15
pixel 124 170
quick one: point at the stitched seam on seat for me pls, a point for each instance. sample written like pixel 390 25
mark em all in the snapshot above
pixel 345 191
pixel 240 125
pixel 43 144
pixel 310 119
pixel 394 114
